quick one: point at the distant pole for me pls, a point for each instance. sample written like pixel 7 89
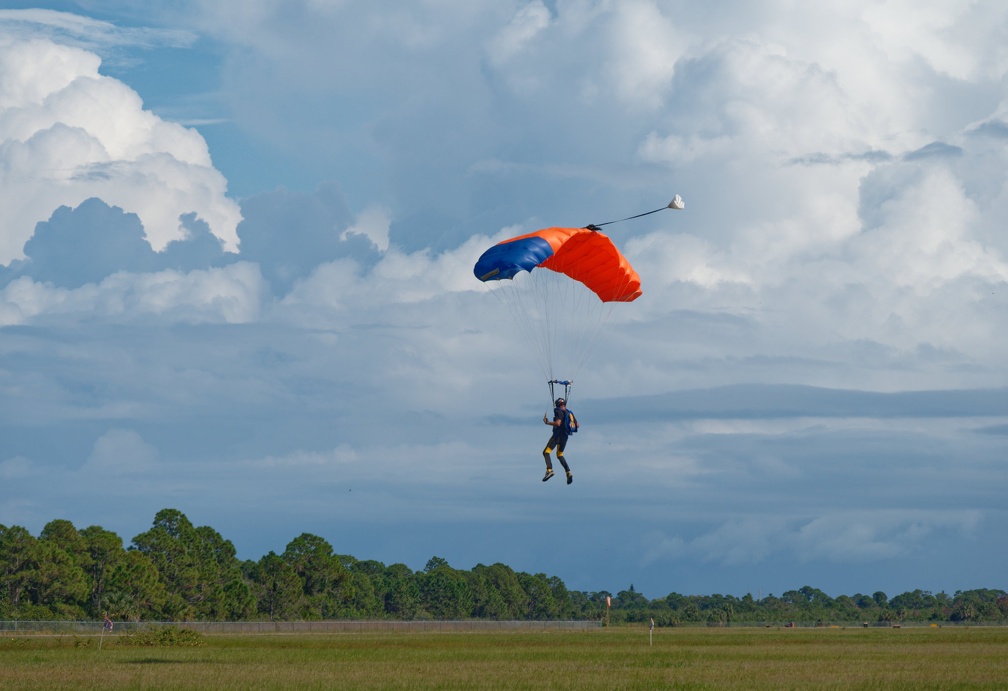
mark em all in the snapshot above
pixel 102 636
pixel 651 633
pixel 608 604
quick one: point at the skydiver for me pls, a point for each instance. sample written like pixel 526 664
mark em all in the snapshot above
pixel 564 423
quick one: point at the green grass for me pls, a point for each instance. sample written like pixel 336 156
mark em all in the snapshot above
pixel 614 658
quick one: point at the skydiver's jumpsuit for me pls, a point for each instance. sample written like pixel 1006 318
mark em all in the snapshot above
pixel 558 440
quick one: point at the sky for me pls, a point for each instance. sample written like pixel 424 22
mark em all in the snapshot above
pixel 236 280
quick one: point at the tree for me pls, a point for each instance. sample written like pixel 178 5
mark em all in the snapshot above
pixel 402 594
pixel 17 566
pixel 60 583
pixel 434 563
pixel 593 605
pixel 135 590
pixel 863 601
pixel 198 568
pixel 370 597
pixel 238 600
pixel 541 604
pixel 562 597
pixel 444 592
pixel 364 601
pixel 57 583
pixel 223 594
pixel 510 600
pixel 105 550
pixel 846 609
pixel 277 587
pixel 61 533
pixel 487 601
pixel 815 597
pixel 179 571
pixel 964 609
pixel 976 605
pixel 170 544
pixel 325 582
pixel 913 604
pixel 630 599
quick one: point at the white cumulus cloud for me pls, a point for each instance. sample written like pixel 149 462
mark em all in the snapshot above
pixel 68 133
pixel 373 224
pixel 230 295
pixel 121 451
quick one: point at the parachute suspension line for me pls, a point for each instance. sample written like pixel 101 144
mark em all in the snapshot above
pixel 564 322
pixel 525 309
pixel 540 304
pixel 575 318
pixel 676 203
pixel 560 319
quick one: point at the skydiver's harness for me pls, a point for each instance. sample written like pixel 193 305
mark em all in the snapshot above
pixel 570 424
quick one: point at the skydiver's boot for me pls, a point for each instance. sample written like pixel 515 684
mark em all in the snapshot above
pixel 549 464
pixel 563 462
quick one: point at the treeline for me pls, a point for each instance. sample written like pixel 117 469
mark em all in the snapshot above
pixel 179 572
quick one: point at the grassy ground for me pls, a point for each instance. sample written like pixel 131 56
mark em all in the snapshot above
pixel 614 658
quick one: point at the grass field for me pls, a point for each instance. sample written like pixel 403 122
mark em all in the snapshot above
pixel 613 658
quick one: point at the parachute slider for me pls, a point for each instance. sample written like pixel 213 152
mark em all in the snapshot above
pixel 677 203
pixel 566 390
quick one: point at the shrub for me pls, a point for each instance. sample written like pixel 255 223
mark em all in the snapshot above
pixel 162 637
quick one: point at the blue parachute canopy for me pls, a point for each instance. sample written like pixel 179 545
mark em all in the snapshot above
pixel 508 258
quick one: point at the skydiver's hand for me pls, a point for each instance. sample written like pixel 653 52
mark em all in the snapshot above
pixel 545 421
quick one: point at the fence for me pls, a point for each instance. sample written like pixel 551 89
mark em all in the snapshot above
pixel 274 627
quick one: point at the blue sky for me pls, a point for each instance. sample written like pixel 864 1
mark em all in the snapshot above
pixel 236 280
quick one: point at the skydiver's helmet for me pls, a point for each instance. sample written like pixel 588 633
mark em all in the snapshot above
pixel 559 402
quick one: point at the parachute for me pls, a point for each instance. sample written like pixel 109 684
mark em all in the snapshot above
pixel 561 285
pixel 583 255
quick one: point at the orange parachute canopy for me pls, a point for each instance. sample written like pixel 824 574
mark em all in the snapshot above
pixel 585 255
